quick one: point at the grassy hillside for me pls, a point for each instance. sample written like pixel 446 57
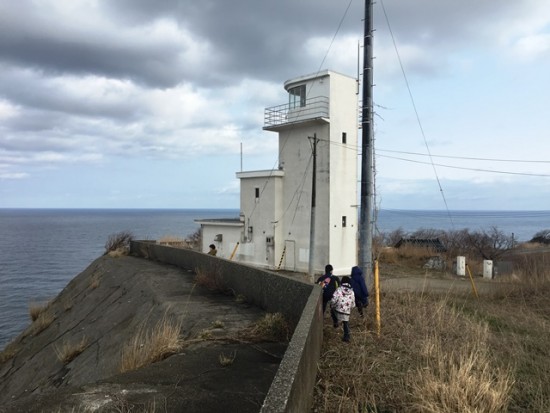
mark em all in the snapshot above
pixel 445 353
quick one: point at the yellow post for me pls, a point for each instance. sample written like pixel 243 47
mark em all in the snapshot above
pixel 472 281
pixel 234 251
pixel 282 257
pixel 377 296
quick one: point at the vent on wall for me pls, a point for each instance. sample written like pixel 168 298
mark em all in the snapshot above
pixel 218 238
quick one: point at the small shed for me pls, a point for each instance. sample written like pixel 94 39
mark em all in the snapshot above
pixel 432 243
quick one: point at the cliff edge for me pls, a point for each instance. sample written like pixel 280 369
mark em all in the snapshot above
pixel 83 350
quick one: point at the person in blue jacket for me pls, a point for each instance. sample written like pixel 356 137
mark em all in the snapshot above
pixel 359 289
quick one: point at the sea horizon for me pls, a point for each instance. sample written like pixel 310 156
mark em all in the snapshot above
pixel 42 249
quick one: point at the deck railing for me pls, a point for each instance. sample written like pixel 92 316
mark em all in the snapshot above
pixel 314 108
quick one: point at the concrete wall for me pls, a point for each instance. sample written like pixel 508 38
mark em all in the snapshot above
pixel 300 303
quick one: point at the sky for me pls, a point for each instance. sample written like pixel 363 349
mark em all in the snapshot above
pixel 158 103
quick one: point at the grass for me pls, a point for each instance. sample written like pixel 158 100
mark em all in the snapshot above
pixel 41 317
pixel 227 360
pixel 69 351
pixel 173 241
pixel 148 347
pixel 211 279
pixel 9 352
pixel 443 354
pixel 271 327
pixel 35 309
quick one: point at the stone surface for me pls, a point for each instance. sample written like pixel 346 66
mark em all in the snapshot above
pixel 106 305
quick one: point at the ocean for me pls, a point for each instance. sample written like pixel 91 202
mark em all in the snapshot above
pixel 41 250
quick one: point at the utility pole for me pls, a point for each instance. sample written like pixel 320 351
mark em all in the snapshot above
pixel 367 175
pixel 311 267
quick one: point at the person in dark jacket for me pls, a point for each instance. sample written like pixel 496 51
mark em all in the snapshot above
pixel 359 289
pixel 329 283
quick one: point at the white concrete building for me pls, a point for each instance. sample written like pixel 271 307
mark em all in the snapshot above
pixel 273 230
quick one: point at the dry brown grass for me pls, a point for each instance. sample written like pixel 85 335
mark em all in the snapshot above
pixel 173 241
pixel 271 327
pixel 148 347
pixel 69 351
pixel 211 279
pixel 35 309
pixel 9 352
pixel 451 354
pixel 227 360
pixel 43 321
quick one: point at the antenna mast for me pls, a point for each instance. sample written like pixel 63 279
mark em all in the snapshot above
pixel 367 175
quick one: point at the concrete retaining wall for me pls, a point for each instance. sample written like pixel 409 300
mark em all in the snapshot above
pixel 299 302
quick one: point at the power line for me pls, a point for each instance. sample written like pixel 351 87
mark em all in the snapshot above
pixel 464 168
pixel 464 157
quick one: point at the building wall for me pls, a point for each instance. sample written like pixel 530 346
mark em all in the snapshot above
pixel 343 173
pixel 295 157
pixel 231 235
pixel 336 180
pixel 260 242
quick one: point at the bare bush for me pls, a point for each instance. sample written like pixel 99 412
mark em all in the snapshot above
pixel 119 241
pixel 194 240
pixel 491 244
pixel 542 237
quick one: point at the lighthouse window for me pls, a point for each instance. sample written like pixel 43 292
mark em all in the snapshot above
pixel 344 221
pixel 257 192
pixel 344 137
pixel 297 97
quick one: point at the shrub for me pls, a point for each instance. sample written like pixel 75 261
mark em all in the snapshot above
pixel 194 240
pixel 542 237
pixel 119 241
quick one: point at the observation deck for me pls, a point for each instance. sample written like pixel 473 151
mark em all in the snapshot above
pixel 283 116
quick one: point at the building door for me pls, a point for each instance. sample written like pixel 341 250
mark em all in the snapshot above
pixel 290 255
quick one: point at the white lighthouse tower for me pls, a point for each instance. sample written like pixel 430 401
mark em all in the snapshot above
pixel 317 126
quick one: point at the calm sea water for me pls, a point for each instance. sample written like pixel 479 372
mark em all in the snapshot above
pixel 41 250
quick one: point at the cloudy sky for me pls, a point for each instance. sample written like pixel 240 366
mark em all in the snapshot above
pixel 147 103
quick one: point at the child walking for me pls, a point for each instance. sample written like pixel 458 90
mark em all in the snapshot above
pixel 341 304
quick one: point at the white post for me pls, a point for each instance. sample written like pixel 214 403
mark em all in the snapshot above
pixel 488 269
pixel 461 266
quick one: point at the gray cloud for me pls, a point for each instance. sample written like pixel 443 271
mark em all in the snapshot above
pixel 172 79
